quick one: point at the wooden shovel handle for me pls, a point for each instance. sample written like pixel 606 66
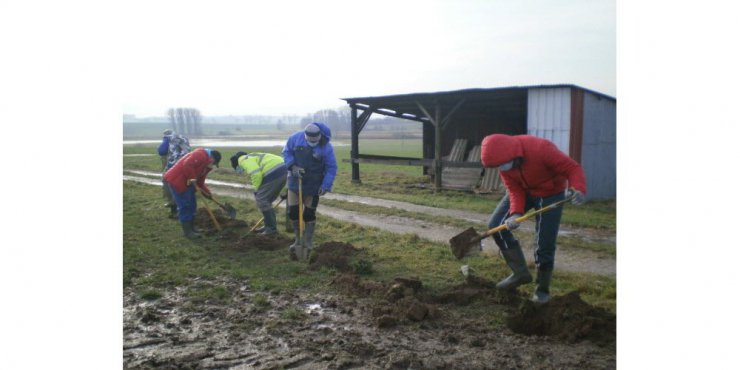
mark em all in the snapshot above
pixel 262 219
pixel 525 217
pixel 210 214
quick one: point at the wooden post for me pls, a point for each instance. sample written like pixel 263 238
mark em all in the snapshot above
pixel 355 151
pixel 437 148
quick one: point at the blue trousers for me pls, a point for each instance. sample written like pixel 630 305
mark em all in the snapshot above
pixel 186 206
pixel 546 228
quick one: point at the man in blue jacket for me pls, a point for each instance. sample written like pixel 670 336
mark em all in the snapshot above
pixel 170 150
pixel 309 155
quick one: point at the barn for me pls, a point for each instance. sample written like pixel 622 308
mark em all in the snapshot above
pixel 581 122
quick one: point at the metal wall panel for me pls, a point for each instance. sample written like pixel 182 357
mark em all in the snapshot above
pixel 599 149
pixel 548 115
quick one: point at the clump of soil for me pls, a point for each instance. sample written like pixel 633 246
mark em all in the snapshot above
pixel 333 254
pixel 353 285
pixel 398 301
pixel 262 242
pixel 567 317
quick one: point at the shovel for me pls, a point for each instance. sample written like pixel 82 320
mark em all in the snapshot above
pixel 463 242
pixel 300 250
pixel 228 208
pixel 210 214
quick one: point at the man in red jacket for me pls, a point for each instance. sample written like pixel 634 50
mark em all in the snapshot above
pixel 183 177
pixel 536 174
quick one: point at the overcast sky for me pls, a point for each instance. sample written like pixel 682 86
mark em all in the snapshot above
pixel 270 57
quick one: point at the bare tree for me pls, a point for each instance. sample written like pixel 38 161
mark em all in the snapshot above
pixel 180 120
pixel 197 121
pixel 171 114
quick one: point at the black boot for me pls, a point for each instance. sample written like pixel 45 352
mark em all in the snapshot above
pixel 188 231
pixel 173 210
pixel 515 259
pixel 542 293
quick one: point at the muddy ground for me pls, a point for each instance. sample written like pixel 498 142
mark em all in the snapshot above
pixel 356 322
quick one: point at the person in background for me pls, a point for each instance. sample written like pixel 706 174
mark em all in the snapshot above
pixel 308 155
pixel 268 175
pixel 183 178
pixel 171 149
pixel 536 174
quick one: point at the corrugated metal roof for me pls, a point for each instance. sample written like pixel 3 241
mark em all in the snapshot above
pixel 464 92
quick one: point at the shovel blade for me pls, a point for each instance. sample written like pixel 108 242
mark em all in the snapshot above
pixel 230 210
pixel 463 242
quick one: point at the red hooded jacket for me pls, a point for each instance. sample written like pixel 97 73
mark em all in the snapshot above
pixel 544 171
pixel 193 165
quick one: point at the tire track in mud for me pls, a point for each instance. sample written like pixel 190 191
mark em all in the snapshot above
pixel 580 261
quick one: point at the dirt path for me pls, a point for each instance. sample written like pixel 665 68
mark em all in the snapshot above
pixel 577 261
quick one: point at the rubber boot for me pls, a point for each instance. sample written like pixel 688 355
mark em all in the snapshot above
pixel 542 293
pixel 187 229
pixel 308 239
pixel 270 223
pixel 173 210
pixel 297 243
pixel 515 259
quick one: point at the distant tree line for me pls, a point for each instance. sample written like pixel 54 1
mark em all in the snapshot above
pixel 341 120
pixel 186 121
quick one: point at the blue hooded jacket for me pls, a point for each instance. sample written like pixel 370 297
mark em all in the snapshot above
pixel 319 161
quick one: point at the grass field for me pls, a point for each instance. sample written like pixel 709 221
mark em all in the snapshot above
pixel 392 182
pixel 156 256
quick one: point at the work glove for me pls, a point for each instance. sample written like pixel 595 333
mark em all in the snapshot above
pixel 322 191
pixel 578 197
pixel 511 222
pixel 284 195
pixel 297 171
pixel 207 195
pixel 191 182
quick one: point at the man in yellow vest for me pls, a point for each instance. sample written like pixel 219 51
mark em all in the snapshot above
pixel 268 175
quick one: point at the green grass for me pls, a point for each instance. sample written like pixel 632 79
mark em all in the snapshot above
pixel 156 256
pixel 399 183
pixel 293 314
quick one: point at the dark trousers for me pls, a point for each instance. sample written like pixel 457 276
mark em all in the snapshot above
pixel 546 228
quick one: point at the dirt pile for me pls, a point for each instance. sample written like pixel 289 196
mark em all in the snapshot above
pixel 399 301
pixel 566 317
pixel 203 221
pixel 335 255
pixel 261 242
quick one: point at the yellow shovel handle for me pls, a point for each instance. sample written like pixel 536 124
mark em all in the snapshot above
pixel 262 219
pixel 213 218
pixel 526 217
pixel 300 207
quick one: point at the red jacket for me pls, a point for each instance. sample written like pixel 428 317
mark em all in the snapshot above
pixel 544 171
pixel 193 165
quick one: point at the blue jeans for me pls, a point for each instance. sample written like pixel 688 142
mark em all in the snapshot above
pixel 186 206
pixel 546 228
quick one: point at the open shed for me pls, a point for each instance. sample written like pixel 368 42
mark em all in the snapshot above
pixel 581 122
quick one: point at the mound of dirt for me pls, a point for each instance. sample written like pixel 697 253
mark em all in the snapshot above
pixel 203 221
pixel 353 285
pixel 567 317
pixel 333 254
pixel 399 301
pixel 261 242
